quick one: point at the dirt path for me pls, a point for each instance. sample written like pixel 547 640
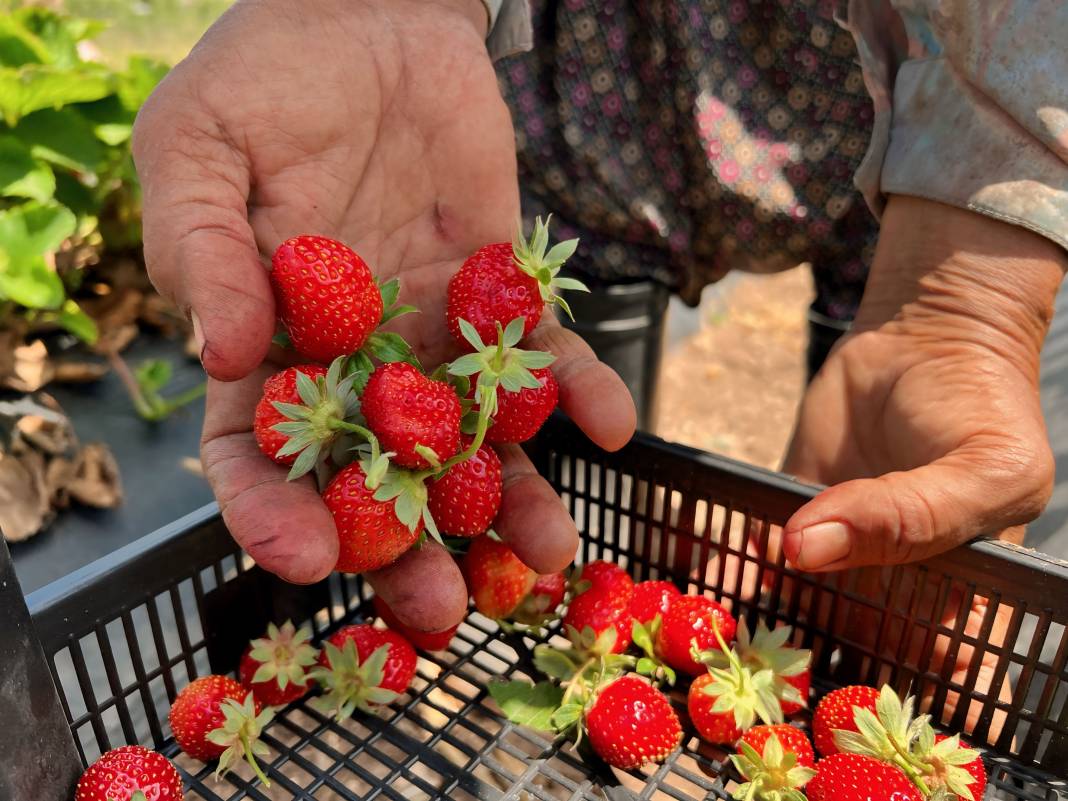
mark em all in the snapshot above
pixel 732 386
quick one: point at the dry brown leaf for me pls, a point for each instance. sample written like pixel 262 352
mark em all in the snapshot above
pixel 79 372
pixel 58 476
pixel 48 430
pixel 32 368
pixel 24 504
pixel 95 477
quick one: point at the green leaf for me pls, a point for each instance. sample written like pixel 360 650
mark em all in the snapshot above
pixel 387 346
pixel 528 704
pixel 19 45
pixel 137 82
pixel 567 716
pixel 77 322
pixel 471 335
pixel 646 666
pixel 570 283
pixel 153 374
pixel 467 365
pixel 27 233
pixel 390 290
pixel 553 663
pixel 641 638
pixel 514 332
pixel 76 196
pixel 33 87
pixel 282 340
pixel 58 34
pixel 21 175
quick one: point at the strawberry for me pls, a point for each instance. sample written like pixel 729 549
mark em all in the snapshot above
pixel 363 667
pixel 776 762
pixel 726 702
pixel 122 772
pixel 852 777
pixel 520 414
pixel 370 532
pixel 652 598
pixel 215 717
pixel 279 388
pixel 423 640
pixel 690 622
pixel 792 739
pixel 496 577
pixel 412 415
pixel 273 667
pixel 502 282
pixel 835 711
pixel 598 619
pixel 767 650
pixel 540 604
pixel 301 414
pixel 630 723
pixel 326 297
pixel 465 500
pixel 938 765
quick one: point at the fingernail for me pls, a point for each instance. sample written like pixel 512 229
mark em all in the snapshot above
pixel 198 334
pixel 823 544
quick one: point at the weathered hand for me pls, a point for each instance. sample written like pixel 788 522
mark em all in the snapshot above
pixel 377 122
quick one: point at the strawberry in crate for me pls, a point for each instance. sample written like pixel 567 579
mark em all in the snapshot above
pixel 130 773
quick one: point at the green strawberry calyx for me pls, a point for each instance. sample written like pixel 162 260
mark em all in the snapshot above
pixel 771 776
pixel 348 684
pixel 314 424
pixel 650 664
pixel 240 735
pixel 767 649
pixel 749 694
pixel 284 655
pixel 534 257
pixel 501 364
pixel 892 734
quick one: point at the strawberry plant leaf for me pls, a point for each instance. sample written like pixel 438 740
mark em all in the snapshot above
pixel 387 347
pixel 528 704
pixel 467 365
pixel 22 175
pixel 514 332
pixel 77 322
pixel 390 290
pixel 282 340
pixel 553 663
pixel 567 716
pixel 641 638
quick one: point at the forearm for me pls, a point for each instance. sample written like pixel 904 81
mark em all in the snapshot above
pixel 961 277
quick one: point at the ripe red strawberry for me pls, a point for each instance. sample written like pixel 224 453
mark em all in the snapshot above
pixel 792 739
pixel 279 388
pixel 945 759
pixel 363 667
pixel 405 409
pixel 652 598
pixel 273 667
pixel 465 500
pixel 852 777
pixel 691 618
pixel 423 640
pixel 776 762
pixel 121 772
pixel 370 534
pixel 725 702
pixel 540 604
pixel 598 619
pixel 520 414
pixel 496 577
pixel 502 282
pixel 715 727
pixel 631 723
pixel 835 711
pixel 769 650
pixel 215 717
pixel 326 297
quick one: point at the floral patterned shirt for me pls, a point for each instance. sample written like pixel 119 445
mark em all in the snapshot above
pixel 684 138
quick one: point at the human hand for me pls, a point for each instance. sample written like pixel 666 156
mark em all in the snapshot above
pixel 380 124
pixel 926 418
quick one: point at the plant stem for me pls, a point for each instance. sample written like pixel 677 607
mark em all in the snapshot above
pixel 251 758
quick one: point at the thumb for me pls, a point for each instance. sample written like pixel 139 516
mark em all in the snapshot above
pixel 911 515
pixel 199 247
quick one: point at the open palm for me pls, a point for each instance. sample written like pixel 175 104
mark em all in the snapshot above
pixel 379 124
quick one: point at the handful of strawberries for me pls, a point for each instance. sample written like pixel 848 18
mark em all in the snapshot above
pixel 400 452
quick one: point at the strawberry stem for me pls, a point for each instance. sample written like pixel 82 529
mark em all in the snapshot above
pixel 342 425
pixel 251 759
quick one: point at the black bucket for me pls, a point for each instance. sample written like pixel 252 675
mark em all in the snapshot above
pixel 624 324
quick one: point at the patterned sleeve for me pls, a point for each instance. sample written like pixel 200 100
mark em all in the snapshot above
pixel 971 106
pixel 510 29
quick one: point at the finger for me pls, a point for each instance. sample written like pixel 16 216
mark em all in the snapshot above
pixel 532 519
pixel 283 525
pixel 980 489
pixel 199 247
pixel 424 588
pixel 590 391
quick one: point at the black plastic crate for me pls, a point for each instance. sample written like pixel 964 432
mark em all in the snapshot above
pixel 122 636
